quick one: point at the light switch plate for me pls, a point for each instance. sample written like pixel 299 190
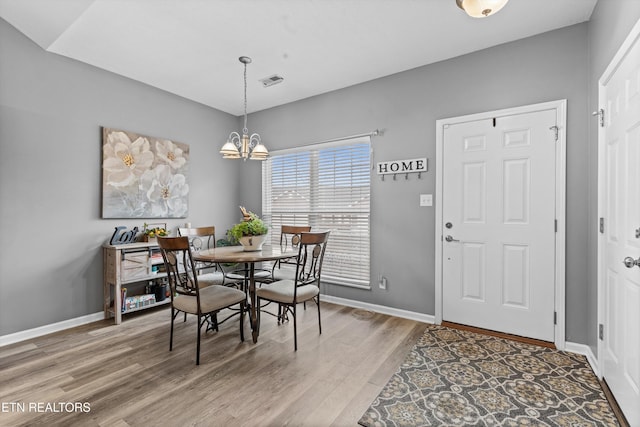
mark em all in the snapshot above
pixel 426 200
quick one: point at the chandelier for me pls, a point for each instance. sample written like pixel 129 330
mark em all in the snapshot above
pixel 246 146
pixel 481 8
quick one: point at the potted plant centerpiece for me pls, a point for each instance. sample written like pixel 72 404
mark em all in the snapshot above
pixel 251 232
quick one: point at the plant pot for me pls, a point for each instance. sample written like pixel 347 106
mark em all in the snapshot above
pixel 253 243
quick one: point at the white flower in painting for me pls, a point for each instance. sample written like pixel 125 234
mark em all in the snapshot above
pixel 125 161
pixel 167 193
pixel 170 153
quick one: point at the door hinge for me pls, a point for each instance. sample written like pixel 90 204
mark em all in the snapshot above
pixel 600 114
pixel 555 225
pixel 555 317
pixel 555 130
pixel 601 225
pixel 601 331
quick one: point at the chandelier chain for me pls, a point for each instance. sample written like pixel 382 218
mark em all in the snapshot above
pixel 245 130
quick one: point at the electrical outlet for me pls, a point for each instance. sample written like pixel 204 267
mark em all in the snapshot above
pixel 426 200
pixel 382 282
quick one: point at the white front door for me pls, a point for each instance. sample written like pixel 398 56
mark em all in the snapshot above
pixel 498 223
pixel 619 173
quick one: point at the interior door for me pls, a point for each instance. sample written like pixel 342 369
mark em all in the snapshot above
pixel 498 204
pixel 620 242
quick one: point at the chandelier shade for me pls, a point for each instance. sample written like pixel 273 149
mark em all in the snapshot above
pixel 481 8
pixel 244 147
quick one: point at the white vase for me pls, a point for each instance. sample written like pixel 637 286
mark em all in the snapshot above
pixel 253 243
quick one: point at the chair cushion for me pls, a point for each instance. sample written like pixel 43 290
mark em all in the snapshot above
pixel 212 298
pixel 239 274
pixel 208 279
pixel 282 291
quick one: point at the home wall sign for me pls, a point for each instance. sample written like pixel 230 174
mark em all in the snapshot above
pixel 143 176
pixel 395 167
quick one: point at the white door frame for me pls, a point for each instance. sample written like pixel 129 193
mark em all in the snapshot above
pixel 561 114
pixel 634 34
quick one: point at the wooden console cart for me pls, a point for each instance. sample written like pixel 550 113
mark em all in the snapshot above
pixel 136 267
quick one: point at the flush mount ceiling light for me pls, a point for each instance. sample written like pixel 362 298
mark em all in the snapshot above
pixel 244 147
pixel 481 8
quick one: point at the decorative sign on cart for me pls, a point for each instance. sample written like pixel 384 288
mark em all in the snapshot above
pixel 121 235
pixel 143 176
pixel 402 166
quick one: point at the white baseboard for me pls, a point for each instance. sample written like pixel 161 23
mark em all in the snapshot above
pixel 584 350
pixel 48 329
pixel 418 317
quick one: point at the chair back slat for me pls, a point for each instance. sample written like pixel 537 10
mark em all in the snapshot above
pixel 200 237
pixel 310 257
pixel 290 238
pixel 176 253
pixel 290 234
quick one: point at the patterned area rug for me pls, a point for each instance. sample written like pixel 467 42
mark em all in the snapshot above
pixel 459 378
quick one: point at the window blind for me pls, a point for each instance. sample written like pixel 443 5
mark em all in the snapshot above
pixel 326 186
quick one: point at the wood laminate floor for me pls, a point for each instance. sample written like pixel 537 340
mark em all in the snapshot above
pixel 125 375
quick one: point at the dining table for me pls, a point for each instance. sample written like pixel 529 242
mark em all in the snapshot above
pixel 237 255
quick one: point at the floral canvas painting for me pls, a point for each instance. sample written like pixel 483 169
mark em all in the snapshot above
pixel 143 176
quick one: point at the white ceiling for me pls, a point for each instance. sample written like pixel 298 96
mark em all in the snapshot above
pixel 191 47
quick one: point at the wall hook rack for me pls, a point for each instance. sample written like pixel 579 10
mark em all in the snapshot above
pixel 406 176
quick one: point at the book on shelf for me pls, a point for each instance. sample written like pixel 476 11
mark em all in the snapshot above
pixel 138 301
pixel 123 296
pixel 156 254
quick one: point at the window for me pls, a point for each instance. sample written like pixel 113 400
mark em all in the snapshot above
pixel 326 186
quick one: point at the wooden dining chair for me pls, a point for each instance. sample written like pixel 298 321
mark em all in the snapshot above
pixel 202 238
pixel 286 268
pixel 289 239
pixel 304 287
pixel 188 297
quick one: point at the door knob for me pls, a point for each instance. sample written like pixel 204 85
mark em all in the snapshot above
pixel 451 239
pixel 630 262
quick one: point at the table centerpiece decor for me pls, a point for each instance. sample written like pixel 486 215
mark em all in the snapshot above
pixel 251 232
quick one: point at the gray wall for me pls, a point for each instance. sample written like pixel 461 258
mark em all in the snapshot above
pixel 609 26
pixel 51 111
pixel 546 67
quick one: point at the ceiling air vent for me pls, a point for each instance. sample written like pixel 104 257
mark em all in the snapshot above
pixel 271 80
